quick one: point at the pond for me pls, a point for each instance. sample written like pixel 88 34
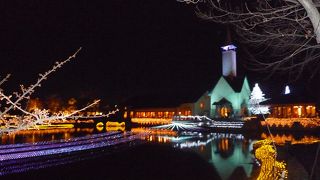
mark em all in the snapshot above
pixel 230 153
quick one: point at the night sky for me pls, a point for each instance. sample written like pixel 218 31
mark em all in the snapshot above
pixel 130 48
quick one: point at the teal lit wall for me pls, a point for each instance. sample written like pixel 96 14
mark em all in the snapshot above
pixel 237 99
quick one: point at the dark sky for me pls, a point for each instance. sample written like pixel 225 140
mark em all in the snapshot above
pixel 130 47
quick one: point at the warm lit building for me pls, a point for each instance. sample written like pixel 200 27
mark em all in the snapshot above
pixel 292 105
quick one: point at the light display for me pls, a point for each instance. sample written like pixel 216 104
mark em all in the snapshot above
pixel 192 118
pixel 154 131
pixel 255 99
pixel 151 121
pixel 22 157
pixel 27 150
pixel 228 125
pixel 287 90
pixel 271 169
pixel 288 122
pixel 179 126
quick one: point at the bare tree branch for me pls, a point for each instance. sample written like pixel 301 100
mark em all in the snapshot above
pixel 287 30
pixel 38 116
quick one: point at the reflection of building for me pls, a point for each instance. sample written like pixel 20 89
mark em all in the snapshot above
pixel 229 153
pixel 225 147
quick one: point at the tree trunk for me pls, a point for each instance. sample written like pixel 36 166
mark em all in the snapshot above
pixel 313 15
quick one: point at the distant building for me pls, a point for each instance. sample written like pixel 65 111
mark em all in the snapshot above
pixel 292 105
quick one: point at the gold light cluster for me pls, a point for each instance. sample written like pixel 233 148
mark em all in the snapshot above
pixel 271 169
pixel 305 122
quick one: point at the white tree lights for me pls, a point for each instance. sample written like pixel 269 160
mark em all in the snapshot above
pixel 27 119
pixel 255 99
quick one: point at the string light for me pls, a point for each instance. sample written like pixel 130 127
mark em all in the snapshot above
pixel 271 169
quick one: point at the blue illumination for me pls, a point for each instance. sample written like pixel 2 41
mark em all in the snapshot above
pixel 228 47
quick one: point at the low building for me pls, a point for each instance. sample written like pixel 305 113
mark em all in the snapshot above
pixel 292 105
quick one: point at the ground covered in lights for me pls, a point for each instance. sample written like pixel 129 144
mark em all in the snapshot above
pixel 146 161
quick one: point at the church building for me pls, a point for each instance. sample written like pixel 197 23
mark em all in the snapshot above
pixel 230 96
pixel 227 99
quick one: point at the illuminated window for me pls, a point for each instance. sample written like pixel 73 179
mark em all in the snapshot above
pixel 297 111
pixel 201 105
pixel 224 112
pixel 131 114
pixel 289 111
pixel 125 115
pixel 311 111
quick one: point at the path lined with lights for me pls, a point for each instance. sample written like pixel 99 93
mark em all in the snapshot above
pixel 17 157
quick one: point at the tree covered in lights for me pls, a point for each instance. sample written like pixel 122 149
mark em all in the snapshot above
pixel 11 121
pixel 256 98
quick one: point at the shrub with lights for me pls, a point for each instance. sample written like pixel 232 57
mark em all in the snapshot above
pixel 271 169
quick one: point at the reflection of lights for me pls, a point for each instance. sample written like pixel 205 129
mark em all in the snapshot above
pixel 191 144
pixel 115 128
pixel 283 139
pixel 99 124
pixel 52 126
pixel 47 134
pixel 99 128
pixel 111 123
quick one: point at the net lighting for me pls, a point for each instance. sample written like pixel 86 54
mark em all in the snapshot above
pixel 270 169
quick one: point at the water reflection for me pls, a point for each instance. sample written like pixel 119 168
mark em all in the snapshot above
pixel 227 152
pixel 281 139
pixel 230 153
pixel 32 136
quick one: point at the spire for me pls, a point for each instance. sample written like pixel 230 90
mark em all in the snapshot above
pixel 228 36
pixel 229 62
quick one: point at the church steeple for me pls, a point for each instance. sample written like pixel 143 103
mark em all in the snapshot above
pixel 229 61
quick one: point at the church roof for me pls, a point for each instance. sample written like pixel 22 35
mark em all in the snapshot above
pixel 235 82
pixel 223 101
